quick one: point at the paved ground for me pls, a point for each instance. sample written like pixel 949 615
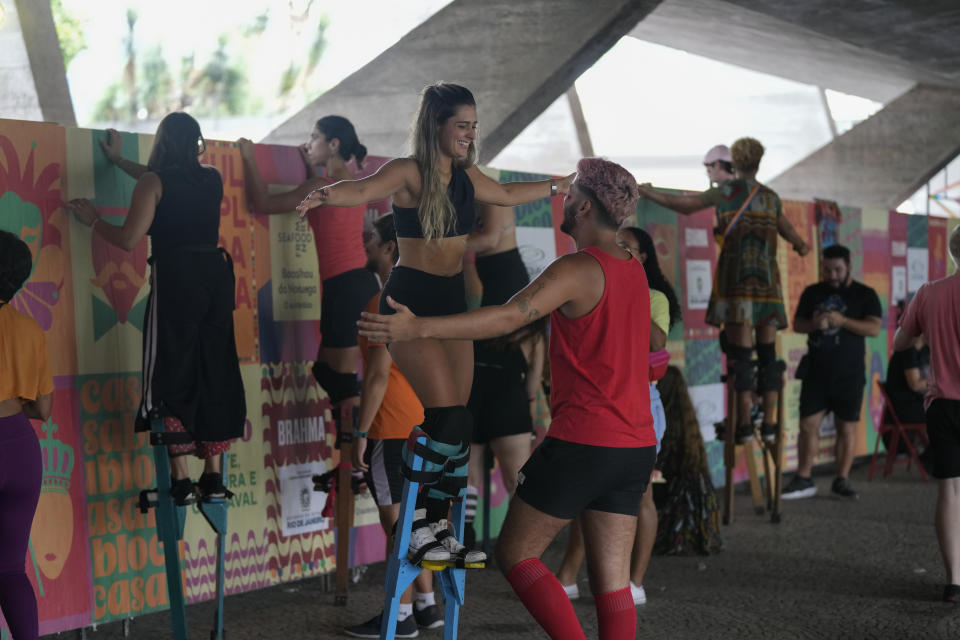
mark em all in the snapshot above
pixel 831 569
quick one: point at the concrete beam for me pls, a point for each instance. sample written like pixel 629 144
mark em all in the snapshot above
pixel 883 160
pixel 516 57
pixel 32 73
pixel 877 49
pixel 18 100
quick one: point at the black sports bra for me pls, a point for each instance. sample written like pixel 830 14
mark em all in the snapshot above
pixel 460 191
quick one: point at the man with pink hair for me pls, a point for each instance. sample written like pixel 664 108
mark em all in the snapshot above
pixel 597 459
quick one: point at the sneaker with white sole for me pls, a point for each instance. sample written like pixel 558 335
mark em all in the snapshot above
pixel 406 628
pixel 430 617
pixel 842 489
pixel 460 556
pixel 799 487
pixel 639 595
pixel 424 546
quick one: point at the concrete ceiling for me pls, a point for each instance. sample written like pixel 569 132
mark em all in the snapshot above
pixel 516 57
pixel 872 48
pixel 886 158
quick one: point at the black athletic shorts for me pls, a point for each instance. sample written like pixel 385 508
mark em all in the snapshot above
pixel 498 398
pixel 384 474
pixel 344 298
pixel 502 275
pixel 562 478
pixel 843 396
pixel 424 293
pixel 943 428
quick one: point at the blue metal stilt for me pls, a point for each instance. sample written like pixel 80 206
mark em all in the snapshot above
pixel 401 572
pixel 171 520
pixel 215 513
pixel 170 523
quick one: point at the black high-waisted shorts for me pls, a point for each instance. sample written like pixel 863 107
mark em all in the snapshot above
pixel 426 294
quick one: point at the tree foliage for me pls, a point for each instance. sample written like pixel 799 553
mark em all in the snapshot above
pixel 69 32
pixel 153 84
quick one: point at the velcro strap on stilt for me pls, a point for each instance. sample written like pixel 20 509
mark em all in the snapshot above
pixel 417 558
pixel 439 458
pixel 422 477
pixel 459 559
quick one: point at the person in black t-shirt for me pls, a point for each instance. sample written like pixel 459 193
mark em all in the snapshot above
pixel 836 314
pixel 907 375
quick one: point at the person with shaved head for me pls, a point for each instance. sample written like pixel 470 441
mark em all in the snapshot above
pixel 596 461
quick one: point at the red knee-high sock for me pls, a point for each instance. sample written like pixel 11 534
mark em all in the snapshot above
pixel 616 615
pixel 541 593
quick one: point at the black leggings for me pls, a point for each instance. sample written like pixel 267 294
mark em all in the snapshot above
pixel 20 471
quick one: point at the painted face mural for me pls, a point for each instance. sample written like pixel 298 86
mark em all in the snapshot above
pixel 26 204
pixel 53 522
pixel 121 275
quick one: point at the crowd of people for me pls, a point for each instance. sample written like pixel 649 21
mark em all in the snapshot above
pixel 394 307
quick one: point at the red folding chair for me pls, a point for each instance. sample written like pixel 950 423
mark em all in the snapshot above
pixel 898 431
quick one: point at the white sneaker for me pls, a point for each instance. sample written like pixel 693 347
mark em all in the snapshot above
pixel 424 546
pixel 639 595
pixel 458 552
pixel 572 590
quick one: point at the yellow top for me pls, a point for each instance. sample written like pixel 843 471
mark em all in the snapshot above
pixel 24 363
pixel 660 310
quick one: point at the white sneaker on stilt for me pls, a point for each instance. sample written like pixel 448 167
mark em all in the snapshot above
pixel 424 546
pixel 460 556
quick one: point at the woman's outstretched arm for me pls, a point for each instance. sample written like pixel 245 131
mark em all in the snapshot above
pixel 396 175
pixel 510 194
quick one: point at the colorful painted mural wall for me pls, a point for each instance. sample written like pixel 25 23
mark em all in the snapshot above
pixel 93 557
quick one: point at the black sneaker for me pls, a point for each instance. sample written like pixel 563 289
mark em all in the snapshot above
pixel 799 487
pixel 183 492
pixel 210 486
pixel 429 617
pixel 743 434
pixel 951 593
pixel 768 432
pixel 841 487
pixel 406 628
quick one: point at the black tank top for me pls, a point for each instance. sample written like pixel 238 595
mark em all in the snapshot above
pixel 188 213
pixel 460 190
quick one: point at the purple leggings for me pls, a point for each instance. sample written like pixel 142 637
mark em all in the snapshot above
pixel 20 475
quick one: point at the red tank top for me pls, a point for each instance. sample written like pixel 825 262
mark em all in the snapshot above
pixel 599 393
pixel 338 235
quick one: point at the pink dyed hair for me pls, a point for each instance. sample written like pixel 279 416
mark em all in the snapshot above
pixel 614 186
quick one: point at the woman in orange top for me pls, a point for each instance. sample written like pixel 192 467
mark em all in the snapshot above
pixel 26 389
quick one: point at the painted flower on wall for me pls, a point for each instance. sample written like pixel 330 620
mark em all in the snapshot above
pixel 26 206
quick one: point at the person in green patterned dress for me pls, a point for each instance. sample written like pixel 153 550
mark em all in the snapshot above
pixel 746 298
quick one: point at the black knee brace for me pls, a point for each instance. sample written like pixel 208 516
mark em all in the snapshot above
pixel 449 425
pixel 338 386
pixel 770 370
pixel 741 365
